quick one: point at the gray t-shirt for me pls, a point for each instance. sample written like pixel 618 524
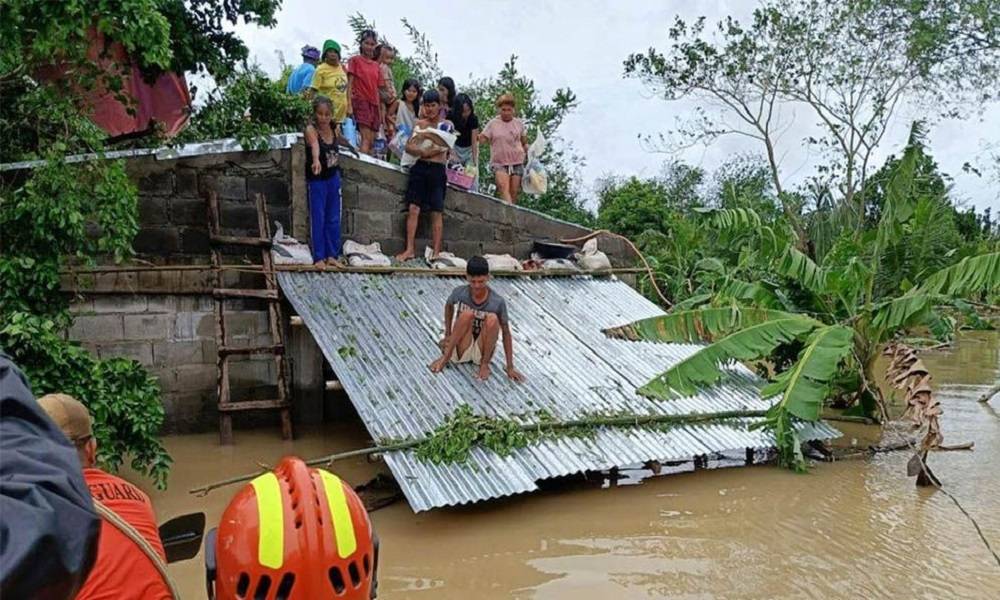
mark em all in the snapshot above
pixel 462 297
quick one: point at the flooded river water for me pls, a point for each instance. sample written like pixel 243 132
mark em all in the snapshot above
pixel 851 529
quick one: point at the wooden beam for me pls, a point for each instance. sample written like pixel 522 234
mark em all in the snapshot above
pixel 233 240
pixel 233 293
pixel 252 405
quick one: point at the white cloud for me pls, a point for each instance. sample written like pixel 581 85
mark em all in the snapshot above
pixel 581 45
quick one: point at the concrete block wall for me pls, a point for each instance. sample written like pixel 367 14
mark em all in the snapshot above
pixel 174 337
pixel 173 217
pixel 374 211
pixel 164 319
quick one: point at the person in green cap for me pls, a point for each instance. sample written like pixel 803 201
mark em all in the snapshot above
pixel 330 80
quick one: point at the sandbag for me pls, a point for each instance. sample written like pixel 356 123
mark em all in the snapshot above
pixel 361 255
pixel 559 264
pixel 592 259
pixel 444 260
pixel 286 250
pixel 502 262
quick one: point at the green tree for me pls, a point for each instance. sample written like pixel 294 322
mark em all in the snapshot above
pixel 248 106
pixel 686 229
pixel 851 64
pixel 630 206
pixel 84 211
pixel 201 38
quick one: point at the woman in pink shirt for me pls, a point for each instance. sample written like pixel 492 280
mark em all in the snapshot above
pixel 363 78
pixel 508 149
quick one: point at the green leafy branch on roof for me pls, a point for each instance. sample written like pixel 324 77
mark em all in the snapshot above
pixel 454 439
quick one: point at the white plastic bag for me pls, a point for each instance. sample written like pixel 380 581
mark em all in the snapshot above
pixel 350 131
pixel 592 259
pixel 535 180
pixel 398 143
pixel 537 147
pixel 361 255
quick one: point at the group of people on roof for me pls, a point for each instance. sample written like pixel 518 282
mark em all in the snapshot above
pixel 437 128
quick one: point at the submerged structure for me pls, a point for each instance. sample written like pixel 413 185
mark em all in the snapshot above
pixel 379 332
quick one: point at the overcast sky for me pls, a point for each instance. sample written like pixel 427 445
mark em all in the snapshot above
pixel 581 44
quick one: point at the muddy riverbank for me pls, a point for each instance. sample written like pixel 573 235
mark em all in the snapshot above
pixel 852 529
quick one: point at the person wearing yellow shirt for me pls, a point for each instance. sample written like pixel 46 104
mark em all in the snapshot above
pixel 330 80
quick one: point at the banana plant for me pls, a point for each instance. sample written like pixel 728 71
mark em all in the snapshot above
pixel 834 316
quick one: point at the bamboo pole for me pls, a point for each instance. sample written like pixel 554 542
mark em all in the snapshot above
pixel 625 421
pixel 252 268
pixel 134 291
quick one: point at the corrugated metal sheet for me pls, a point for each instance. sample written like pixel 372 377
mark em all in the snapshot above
pixel 379 333
pixel 276 141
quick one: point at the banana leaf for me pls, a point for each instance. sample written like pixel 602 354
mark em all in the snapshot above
pixel 704 367
pixel 805 386
pixel 695 325
pixel 973 274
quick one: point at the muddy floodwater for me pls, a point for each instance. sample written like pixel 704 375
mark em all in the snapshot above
pixel 851 529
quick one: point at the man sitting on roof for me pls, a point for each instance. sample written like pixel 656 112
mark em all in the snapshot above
pixel 482 315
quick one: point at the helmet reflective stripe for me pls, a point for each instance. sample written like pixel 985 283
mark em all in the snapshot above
pixel 271 520
pixel 343 525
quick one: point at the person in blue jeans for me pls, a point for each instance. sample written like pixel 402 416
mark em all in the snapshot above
pixel 301 77
pixel 323 179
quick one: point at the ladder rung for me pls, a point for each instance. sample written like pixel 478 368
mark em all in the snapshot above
pixel 234 240
pixel 233 293
pixel 253 405
pixel 239 350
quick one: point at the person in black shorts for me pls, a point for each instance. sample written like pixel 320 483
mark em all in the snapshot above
pixel 427 180
pixel 475 317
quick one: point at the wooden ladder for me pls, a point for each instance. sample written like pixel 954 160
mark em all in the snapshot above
pixel 269 295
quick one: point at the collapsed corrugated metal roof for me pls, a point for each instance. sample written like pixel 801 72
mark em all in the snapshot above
pixel 379 333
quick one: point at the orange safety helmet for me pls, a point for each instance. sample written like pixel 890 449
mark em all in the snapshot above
pixel 296 533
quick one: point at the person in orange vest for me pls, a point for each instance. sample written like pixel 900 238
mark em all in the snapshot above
pixel 130 557
pixel 295 533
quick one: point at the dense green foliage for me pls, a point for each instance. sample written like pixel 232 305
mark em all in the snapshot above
pixel 75 211
pixel 463 430
pixel 201 36
pixel 249 107
pixel 82 211
pixel 851 66
pixel 820 325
